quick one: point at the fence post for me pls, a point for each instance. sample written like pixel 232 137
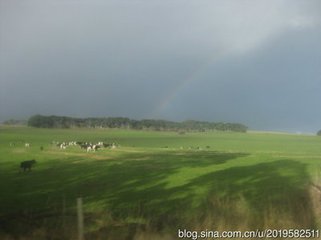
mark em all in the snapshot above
pixel 63 211
pixel 80 217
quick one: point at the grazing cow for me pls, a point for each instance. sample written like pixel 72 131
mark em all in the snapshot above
pixel 90 148
pixel 27 144
pixel 84 146
pixel 106 145
pixel 27 165
pixel 95 147
pixel 63 145
pixel 72 143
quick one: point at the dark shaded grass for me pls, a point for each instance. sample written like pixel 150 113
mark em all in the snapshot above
pixel 128 195
pixel 263 188
pixel 38 195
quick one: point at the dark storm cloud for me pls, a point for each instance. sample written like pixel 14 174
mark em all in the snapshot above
pixel 278 87
pixel 254 62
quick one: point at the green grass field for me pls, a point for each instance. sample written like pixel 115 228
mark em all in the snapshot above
pixel 155 183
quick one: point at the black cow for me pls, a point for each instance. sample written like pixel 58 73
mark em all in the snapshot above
pixel 84 146
pixel 27 165
pixel 106 145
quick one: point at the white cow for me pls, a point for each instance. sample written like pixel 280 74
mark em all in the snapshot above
pixel 90 148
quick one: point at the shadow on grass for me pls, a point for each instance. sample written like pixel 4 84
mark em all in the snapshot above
pixel 266 195
pixel 137 192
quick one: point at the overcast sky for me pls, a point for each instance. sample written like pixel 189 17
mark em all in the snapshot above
pixel 254 62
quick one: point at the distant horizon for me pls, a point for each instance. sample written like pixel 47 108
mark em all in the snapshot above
pixel 276 130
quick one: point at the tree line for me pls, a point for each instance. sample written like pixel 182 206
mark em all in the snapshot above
pixel 41 121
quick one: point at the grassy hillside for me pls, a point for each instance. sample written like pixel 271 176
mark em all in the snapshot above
pixel 156 183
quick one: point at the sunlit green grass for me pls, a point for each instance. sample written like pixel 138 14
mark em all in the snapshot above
pixel 156 182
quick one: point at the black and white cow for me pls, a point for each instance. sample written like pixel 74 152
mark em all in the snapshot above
pixel 94 147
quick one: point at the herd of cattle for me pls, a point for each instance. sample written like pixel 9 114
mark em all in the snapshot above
pixel 88 146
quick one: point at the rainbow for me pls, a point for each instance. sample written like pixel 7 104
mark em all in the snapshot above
pixel 180 86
